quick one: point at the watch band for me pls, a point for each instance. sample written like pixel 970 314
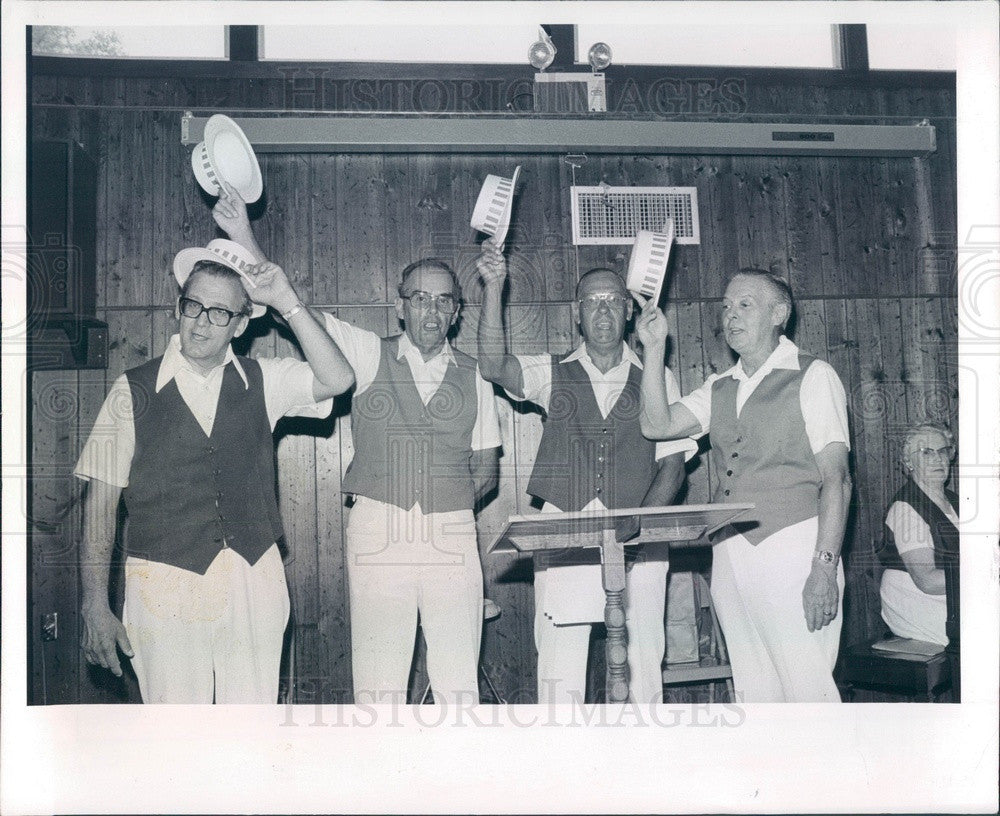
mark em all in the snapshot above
pixel 292 312
pixel 826 557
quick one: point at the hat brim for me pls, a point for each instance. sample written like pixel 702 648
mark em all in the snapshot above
pixel 483 219
pixel 185 260
pixel 647 266
pixel 209 166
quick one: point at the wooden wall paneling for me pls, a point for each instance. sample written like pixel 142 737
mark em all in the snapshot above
pixel 297 501
pixel 550 238
pixel 948 351
pixel 899 216
pixel 129 339
pixel 807 226
pixel 927 347
pixel 283 228
pixel 54 553
pixel 759 215
pixel 861 603
pixel 172 169
pixel 430 183
pixel 361 239
pixel 871 416
pixel 717 254
pixel 810 327
pixel 164 326
pixel 399 198
pixel 333 625
pixel 129 214
pixel 863 238
pixel 323 228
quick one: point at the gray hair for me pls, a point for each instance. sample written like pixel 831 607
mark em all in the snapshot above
pixel 438 264
pixel 780 289
pixel 909 448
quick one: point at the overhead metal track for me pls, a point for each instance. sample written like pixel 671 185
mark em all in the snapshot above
pixel 402 134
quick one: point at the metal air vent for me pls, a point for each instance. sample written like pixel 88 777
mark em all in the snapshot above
pixel 613 215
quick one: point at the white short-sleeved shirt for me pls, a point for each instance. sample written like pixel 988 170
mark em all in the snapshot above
pixel 909 530
pixel 822 397
pixel 363 350
pixel 536 376
pixel 107 454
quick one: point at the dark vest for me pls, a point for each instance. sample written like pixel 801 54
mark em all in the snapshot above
pixel 190 495
pixel 406 452
pixel 763 456
pixel 943 532
pixel 582 455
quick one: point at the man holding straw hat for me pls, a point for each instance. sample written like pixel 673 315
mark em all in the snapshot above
pixel 186 440
pixel 590 397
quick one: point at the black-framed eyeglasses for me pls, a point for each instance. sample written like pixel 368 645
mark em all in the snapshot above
pixel 217 316
pixel 446 304
pixel 593 302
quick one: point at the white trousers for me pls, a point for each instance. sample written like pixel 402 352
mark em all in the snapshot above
pixel 207 638
pixel 757 591
pixel 405 563
pixel 563 648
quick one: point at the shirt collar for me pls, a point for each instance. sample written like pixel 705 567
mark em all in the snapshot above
pixel 407 349
pixel 785 355
pixel 580 352
pixel 173 361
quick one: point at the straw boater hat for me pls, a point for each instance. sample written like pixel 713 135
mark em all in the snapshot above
pixel 226 154
pixel 227 253
pixel 647 267
pixel 492 212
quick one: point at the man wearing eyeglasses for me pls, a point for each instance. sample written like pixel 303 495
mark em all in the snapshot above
pixel 426 439
pixel 186 439
pixel 592 455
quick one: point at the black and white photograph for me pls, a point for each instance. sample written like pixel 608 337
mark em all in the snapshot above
pixel 437 407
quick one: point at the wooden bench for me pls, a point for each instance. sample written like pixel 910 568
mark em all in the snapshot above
pixel 920 677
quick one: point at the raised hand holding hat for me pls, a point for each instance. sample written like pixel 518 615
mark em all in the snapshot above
pixel 492 211
pixel 225 155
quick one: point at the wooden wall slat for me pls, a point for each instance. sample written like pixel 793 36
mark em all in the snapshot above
pixel 323 228
pixel 130 196
pixel 361 238
pixel 54 549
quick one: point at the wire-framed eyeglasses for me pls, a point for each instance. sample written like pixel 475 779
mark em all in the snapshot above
pixel 217 316
pixel 446 304
pixel 610 299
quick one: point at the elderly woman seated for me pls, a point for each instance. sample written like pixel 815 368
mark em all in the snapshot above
pixel 920 533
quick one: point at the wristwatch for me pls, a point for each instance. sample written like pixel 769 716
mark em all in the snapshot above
pixel 826 557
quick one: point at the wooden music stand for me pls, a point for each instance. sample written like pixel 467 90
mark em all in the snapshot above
pixel 612 531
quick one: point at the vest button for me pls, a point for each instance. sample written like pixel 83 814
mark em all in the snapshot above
pixel 600 475
pixel 739 438
pixel 727 492
pixel 736 456
pixel 600 458
pixel 598 490
pixel 729 473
